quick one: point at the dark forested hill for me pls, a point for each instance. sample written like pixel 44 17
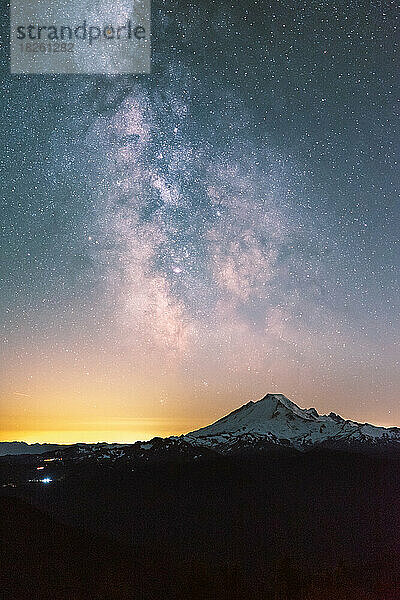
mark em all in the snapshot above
pixel 305 526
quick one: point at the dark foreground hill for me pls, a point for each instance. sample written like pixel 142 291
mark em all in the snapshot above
pixel 42 558
pixel 319 525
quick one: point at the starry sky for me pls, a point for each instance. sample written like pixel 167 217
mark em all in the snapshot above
pixel 177 244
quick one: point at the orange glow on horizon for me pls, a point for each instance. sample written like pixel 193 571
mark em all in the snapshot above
pixel 123 431
pixel 86 437
pixel 39 404
pixel 102 432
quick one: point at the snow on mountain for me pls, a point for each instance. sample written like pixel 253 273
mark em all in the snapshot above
pixel 273 423
pixel 276 419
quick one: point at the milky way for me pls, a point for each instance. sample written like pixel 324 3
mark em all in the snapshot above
pixel 222 228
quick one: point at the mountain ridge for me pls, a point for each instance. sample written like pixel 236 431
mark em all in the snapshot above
pixel 273 422
pixel 16 448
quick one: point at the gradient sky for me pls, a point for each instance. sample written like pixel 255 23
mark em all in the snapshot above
pixel 178 244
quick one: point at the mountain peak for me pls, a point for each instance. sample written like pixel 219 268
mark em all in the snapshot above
pixel 280 399
pixel 272 397
pixel 269 414
pixel 276 419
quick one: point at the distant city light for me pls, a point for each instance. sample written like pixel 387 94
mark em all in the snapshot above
pixel 39 468
pixel 46 480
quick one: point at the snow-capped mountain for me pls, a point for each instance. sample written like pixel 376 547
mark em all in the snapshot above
pixel 272 424
pixel 277 420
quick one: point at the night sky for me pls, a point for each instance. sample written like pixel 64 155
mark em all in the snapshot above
pixel 177 244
